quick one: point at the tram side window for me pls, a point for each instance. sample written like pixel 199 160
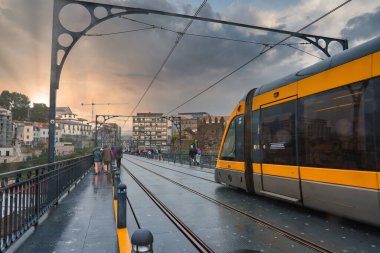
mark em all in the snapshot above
pixel 233 146
pixel 228 151
pixel 336 128
pixel 375 109
pixel 278 134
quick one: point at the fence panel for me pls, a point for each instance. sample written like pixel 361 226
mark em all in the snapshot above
pixel 25 195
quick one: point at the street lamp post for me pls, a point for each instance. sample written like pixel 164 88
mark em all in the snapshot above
pixel 99 122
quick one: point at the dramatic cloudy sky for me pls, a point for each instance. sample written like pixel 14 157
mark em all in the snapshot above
pixel 118 68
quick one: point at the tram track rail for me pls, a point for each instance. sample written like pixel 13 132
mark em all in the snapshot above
pixel 200 245
pixel 259 221
pixel 212 181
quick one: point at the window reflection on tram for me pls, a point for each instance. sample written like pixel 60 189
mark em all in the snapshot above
pixel 337 127
pixel 278 134
pixel 233 147
pixel 228 151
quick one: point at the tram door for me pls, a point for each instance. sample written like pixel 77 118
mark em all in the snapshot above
pixel 279 170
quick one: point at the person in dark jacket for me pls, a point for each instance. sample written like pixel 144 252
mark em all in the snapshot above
pixel 119 155
pixel 97 160
pixel 107 156
pixel 192 154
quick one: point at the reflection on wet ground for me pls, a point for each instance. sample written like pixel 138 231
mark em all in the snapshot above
pixel 82 222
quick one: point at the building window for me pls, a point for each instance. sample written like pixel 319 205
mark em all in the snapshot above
pixel 27 130
pixel 6 153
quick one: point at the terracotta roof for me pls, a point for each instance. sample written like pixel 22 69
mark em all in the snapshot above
pixel 41 124
pixel 23 122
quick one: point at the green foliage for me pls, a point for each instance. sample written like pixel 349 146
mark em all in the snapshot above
pixel 16 102
pixel 39 113
pixel 6 100
pixel 34 161
pixel 7 167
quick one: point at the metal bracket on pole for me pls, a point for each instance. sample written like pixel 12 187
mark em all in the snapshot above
pixel 102 119
pixel 99 123
pixel 322 43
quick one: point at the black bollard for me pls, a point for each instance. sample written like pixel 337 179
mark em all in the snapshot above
pixel 142 241
pixel 113 176
pixel 116 182
pixel 122 206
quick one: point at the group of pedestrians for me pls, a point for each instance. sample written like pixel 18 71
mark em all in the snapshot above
pixel 195 155
pixel 103 158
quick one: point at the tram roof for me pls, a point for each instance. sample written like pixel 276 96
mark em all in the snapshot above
pixel 341 58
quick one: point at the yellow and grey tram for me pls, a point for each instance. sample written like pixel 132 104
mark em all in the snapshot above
pixel 312 138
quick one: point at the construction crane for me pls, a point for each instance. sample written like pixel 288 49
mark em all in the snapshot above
pixel 93 104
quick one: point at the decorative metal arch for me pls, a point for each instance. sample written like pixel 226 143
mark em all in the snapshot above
pixel 116 11
pixel 99 122
pixel 57 64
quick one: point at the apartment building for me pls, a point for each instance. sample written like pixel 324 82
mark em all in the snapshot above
pixel 150 131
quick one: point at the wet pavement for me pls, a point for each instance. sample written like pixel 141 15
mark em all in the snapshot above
pixel 226 231
pixel 82 222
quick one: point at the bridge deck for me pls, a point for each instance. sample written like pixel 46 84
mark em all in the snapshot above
pixel 83 222
pixel 225 230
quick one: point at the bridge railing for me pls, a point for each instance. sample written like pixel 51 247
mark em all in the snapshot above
pixel 25 195
pixel 206 161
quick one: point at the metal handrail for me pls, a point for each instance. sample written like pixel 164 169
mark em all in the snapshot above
pixel 31 193
pixel 38 166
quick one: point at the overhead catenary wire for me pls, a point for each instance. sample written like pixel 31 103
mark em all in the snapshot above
pixel 255 57
pixel 301 50
pixel 121 32
pixel 166 59
pixel 214 37
pixel 151 26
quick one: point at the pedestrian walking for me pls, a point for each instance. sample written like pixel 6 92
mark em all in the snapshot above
pixel 113 155
pixel 107 157
pixel 192 153
pixel 119 155
pixel 198 156
pixel 97 161
pixel 159 154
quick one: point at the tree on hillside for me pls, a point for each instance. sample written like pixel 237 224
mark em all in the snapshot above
pixel 16 102
pixel 6 100
pixel 39 113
